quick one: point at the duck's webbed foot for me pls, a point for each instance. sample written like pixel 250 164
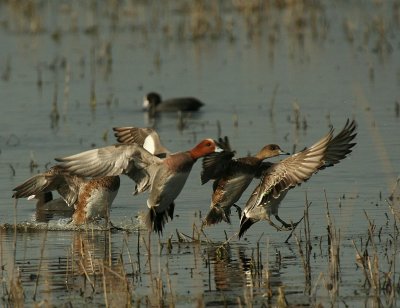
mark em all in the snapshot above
pixel 287 226
pixel 281 228
pixel 239 210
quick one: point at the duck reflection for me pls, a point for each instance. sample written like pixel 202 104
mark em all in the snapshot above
pixel 93 268
pixel 227 270
pixel 240 271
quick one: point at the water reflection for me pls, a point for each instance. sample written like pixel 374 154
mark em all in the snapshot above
pixel 92 268
pixel 242 274
pixel 272 71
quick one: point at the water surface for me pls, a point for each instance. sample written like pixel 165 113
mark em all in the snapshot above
pixel 72 71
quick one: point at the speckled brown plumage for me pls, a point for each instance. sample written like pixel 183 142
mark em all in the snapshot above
pixel 78 192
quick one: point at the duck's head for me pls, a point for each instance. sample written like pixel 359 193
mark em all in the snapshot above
pixel 151 100
pixel 270 150
pixel 205 147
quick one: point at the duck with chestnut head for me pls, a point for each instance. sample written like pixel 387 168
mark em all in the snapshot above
pixel 163 177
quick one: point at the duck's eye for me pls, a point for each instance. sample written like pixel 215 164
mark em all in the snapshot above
pixel 208 144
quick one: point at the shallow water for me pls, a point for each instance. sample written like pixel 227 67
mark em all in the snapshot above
pixel 252 70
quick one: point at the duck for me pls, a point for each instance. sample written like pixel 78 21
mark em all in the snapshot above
pixel 232 177
pixel 282 176
pixel 153 104
pixel 90 199
pixel 163 178
pixel 48 208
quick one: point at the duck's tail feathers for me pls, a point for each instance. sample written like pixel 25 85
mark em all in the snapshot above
pixel 216 215
pixel 245 223
pixel 155 221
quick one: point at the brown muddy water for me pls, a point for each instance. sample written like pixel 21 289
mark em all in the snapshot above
pixel 268 72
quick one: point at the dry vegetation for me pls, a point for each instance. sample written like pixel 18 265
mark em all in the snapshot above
pixel 98 271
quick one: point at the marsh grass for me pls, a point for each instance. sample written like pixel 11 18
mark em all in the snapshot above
pixel 379 269
pixel 305 251
pixel 98 271
pixel 102 270
pixel 334 244
pixel 13 293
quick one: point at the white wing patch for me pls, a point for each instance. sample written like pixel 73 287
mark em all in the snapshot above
pixel 149 144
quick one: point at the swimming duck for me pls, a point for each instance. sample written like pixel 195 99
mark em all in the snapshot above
pixel 45 202
pixel 48 208
pixel 232 177
pixel 292 171
pixel 153 104
pixel 90 199
pixel 163 177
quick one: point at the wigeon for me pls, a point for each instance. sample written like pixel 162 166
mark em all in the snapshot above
pixel 292 171
pixel 90 199
pixel 45 202
pixel 153 104
pixel 48 208
pixel 232 177
pixel 163 177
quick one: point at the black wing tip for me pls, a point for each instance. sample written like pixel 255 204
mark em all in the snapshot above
pixel 156 221
pixel 204 178
pixel 245 224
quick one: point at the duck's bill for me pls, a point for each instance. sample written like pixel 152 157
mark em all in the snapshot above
pixel 283 153
pixel 219 144
pixel 218 149
pixel 146 104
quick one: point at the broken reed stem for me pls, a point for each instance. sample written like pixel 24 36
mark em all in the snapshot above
pixel 40 265
pixel 169 285
pixel 258 264
pixel 267 280
pixel 104 286
pixel 305 257
pixel 87 275
pixel 334 251
pixel 373 267
pixel 307 234
pixel 125 279
pixel 129 253
pixel 361 259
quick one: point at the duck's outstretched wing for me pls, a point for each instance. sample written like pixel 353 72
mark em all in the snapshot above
pixel 341 145
pixel 53 179
pixel 215 165
pixel 129 159
pixel 290 172
pixel 147 138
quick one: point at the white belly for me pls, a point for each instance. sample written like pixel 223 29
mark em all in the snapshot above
pixel 98 203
